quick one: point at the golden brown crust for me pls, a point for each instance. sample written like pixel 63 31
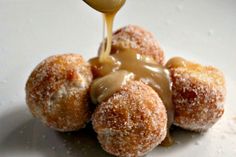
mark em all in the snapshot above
pixel 198 96
pixel 131 122
pixel 57 92
pixel 138 39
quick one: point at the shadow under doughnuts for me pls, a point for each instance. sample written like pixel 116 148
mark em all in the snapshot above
pixel 83 140
pixel 26 136
pixel 183 139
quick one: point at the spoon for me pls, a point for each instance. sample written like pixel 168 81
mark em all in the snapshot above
pixel 105 6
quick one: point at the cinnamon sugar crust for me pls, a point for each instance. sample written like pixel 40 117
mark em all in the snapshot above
pixel 131 122
pixel 198 95
pixel 57 92
pixel 138 39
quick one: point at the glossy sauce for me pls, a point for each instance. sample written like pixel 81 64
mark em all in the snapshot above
pixel 113 71
pixel 109 19
pixel 143 68
pixel 177 62
pixel 109 8
pixel 103 87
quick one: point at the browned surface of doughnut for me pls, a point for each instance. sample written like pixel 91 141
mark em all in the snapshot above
pixel 57 92
pixel 138 39
pixel 131 122
pixel 198 95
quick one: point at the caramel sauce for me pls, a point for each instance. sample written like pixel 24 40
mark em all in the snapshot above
pixel 177 62
pixel 109 19
pixel 102 88
pixel 143 69
pixel 113 71
pixel 109 8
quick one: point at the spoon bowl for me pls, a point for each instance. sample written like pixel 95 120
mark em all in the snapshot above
pixel 105 6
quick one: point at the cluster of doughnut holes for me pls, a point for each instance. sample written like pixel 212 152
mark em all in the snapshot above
pixel 133 120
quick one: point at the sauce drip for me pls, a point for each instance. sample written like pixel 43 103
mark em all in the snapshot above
pixel 177 62
pixel 109 8
pixel 109 19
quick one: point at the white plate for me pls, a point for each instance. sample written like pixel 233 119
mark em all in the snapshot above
pixel 31 30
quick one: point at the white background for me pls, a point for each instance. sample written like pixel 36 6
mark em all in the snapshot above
pixel 30 30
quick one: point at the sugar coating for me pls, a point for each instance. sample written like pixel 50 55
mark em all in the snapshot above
pixel 131 122
pixel 198 95
pixel 138 39
pixel 56 92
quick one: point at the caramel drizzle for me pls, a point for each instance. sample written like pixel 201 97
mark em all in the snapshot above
pixel 109 8
pixel 143 69
pixel 113 71
pixel 109 19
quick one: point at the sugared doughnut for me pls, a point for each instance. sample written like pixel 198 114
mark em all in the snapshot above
pixel 131 122
pixel 57 92
pixel 198 94
pixel 138 39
